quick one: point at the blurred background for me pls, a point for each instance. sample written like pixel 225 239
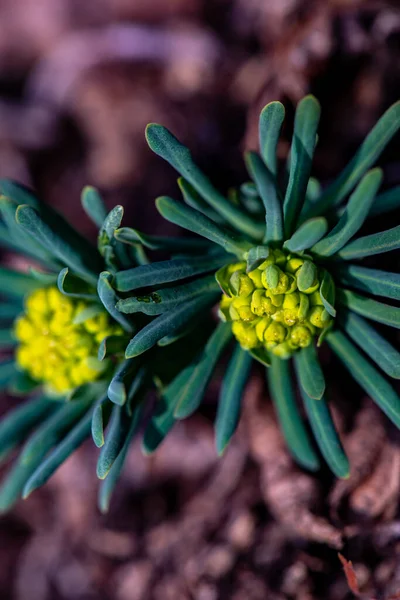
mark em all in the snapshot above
pixel 78 83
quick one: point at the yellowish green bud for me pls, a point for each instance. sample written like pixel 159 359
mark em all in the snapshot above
pixel 245 334
pixel 284 350
pixel 241 284
pixel 291 300
pixel 275 334
pixel 293 264
pixel 261 305
pixel 301 336
pixel 255 276
pixel 319 317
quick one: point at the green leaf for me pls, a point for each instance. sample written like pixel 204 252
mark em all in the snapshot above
pixel 22 384
pixel 230 398
pixel 167 324
pixel 166 271
pixel 163 143
pixel 21 243
pixel 97 425
pixel 256 256
pixel 386 202
pixel 107 486
pixel 35 227
pixel 109 299
pixel 378 283
pixel 7 372
pixel 16 284
pixel 111 345
pixel 261 355
pixel 18 193
pixel 290 420
pixel 134 237
pixel 308 234
pixel 7 339
pixel 15 426
pixel 371 309
pixel 366 375
pixel 45 279
pixel 309 372
pixel 70 443
pixel 369 245
pixel 193 199
pixel 269 127
pixel 372 343
pixel 160 425
pixel 54 428
pixel 106 242
pixel 93 310
pixel 120 383
pixel 301 154
pixel 116 435
pixel 191 219
pixel 166 299
pixel 306 276
pixel 75 287
pixel 192 381
pixel 269 193
pixel 9 312
pixel 326 435
pixel 327 293
pixel 93 205
pixel 365 157
pixel 353 217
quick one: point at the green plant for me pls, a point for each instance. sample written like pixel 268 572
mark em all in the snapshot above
pixel 87 350
pixel 63 342
pixel 284 255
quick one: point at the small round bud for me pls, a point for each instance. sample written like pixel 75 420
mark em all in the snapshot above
pixel 301 336
pixel 319 317
pixel 275 334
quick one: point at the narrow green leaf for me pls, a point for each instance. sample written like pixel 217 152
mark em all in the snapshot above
pixel 35 227
pixel 109 299
pixel 167 324
pixel 269 194
pixel 371 309
pixel 256 256
pixel 93 205
pixel 365 157
pixel 290 420
pixel 13 483
pixel 306 275
pixel 230 398
pixel 193 199
pixel 70 443
pixel 75 287
pixel 366 375
pixel 166 271
pixel 301 154
pixel 353 217
pixel 261 355
pixel 249 198
pixel 116 435
pixel 163 143
pixel 106 241
pixel 93 310
pixel 327 293
pixel 308 234
pixel 9 312
pixel 97 425
pixel 160 425
pixel 192 381
pixel 121 381
pixel 21 243
pixel 16 284
pixel 374 281
pixel 107 486
pixel 372 343
pixel 166 299
pixel 22 384
pixel 7 339
pixel 191 219
pixel 326 435
pixel 54 428
pixel 369 245
pixel 7 372
pixel 309 372
pixel 45 279
pixel 111 345
pixel 15 426
pixel 269 127
pixel 134 237
pixel 386 202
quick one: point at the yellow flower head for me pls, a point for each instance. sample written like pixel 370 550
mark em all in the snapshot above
pixel 272 306
pixel 57 344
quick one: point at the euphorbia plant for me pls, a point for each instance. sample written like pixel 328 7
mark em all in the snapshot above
pixel 290 275
pixel 88 331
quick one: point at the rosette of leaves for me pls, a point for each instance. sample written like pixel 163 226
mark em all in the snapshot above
pixel 300 237
pixel 62 343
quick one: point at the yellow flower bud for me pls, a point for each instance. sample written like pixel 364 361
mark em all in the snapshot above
pixel 274 334
pixel 241 284
pixel 261 326
pixel 245 334
pixel 261 305
pixel 319 317
pixel 301 336
pixel 255 276
pixel 293 264
pixel 291 300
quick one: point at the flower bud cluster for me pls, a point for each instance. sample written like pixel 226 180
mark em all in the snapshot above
pixel 277 306
pixel 55 346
